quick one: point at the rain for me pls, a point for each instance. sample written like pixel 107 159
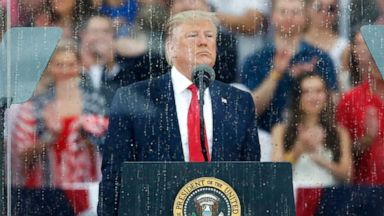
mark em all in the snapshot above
pixel 191 107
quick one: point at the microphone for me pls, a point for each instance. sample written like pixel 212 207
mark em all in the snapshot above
pixel 203 76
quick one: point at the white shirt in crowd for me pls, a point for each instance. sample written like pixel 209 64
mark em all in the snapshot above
pixel 96 73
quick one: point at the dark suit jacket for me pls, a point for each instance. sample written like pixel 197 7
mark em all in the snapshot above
pixel 144 127
pixel 226 61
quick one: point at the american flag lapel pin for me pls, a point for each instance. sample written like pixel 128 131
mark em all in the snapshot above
pixel 224 100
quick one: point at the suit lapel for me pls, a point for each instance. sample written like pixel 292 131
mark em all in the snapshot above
pixel 171 133
pixel 218 108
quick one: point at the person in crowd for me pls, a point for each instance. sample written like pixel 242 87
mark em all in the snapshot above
pixel 269 72
pixel 105 69
pixel 361 112
pixel 318 148
pixel 380 7
pixel 151 18
pixel 15 12
pixel 226 63
pixel 323 33
pixel 248 20
pixel 98 56
pixel 28 11
pixel 66 14
pixel 57 133
pixel 157 119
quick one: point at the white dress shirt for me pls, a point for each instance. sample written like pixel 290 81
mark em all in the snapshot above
pixel 183 98
pixel 96 73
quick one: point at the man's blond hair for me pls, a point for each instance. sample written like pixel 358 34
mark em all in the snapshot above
pixel 190 16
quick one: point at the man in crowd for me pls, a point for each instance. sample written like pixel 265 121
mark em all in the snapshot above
pixel 158 119
pixel 269 72
pixel 105 68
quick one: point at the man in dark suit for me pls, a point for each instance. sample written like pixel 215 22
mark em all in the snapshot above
pixel 105 68
pixel 152 121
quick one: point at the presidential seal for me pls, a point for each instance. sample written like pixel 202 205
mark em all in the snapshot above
pixel 207 196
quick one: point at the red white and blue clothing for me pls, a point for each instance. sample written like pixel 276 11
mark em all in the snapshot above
pixel 71 157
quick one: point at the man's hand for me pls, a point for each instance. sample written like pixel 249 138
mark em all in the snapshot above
pixel 281 60
pixel 371 124
pixel 299 68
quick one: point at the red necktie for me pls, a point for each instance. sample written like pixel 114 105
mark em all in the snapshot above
pixel 195 152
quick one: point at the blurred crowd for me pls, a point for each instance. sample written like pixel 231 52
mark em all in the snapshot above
pixel 319 96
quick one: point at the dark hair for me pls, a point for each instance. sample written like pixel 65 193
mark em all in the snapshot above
pixel 327 118
pixel 354 67
pixel 83 10
pixel 84 24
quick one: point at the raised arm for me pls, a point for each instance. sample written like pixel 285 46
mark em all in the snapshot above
pixel 248 23
pixel 263 94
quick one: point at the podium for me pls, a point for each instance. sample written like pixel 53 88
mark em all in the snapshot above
pixel 215 188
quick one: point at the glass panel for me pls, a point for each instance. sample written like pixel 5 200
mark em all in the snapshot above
pixel 24 54
pixel 374 38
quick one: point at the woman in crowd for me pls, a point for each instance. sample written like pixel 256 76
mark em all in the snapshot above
pixel 56 133
pixel 323 33
pixel 361 111
pixel 318 148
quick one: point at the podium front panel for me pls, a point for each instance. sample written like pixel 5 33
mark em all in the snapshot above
pixel 151 188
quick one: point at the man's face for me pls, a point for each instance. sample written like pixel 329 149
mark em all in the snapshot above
pixel 99 30
pixel 288 16
pixel 64 65
pixel 323 12
pixel 191 44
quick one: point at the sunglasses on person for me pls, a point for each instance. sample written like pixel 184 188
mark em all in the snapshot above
pixel 331 8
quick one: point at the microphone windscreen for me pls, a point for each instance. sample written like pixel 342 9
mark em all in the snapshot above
pixel 204 72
